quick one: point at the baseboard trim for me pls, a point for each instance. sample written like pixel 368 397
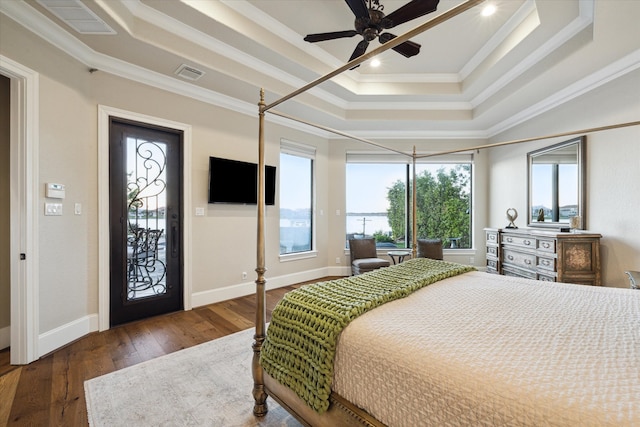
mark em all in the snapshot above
pixel 199 299
pixel 63 335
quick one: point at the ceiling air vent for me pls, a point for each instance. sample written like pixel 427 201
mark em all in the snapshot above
pixel 189 73
pixel 78 16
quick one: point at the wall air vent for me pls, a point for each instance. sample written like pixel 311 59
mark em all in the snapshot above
pixel 189 73
pixel 78 16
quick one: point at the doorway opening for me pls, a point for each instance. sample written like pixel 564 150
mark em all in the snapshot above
pixel 24 192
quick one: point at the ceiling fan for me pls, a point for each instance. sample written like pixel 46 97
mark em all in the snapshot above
pixel 371 23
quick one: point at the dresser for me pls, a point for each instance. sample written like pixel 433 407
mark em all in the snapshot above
pixel 546 255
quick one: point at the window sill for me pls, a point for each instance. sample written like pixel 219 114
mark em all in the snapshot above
pixel 298 256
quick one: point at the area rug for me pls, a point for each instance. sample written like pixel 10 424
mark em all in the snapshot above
pixel 206 385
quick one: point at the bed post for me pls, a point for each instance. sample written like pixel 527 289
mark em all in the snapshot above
pixel 414 198
pixel 259 394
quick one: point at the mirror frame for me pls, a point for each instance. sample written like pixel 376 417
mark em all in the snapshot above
pixel 581 158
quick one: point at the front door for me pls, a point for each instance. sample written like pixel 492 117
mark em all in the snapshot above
pixel 145 199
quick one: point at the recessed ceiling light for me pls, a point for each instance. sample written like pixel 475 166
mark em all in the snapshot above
pixel 375 62
pixel 488 10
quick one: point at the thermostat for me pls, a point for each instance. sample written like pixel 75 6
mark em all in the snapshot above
pixel 55 191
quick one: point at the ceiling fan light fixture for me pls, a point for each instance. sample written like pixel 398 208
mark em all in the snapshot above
pixel 370 34
pixel 375 62
pixel 371 23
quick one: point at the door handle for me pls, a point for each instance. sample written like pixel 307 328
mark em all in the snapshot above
pixel 174 239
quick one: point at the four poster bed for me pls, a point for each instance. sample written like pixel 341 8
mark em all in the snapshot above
pixel 429 342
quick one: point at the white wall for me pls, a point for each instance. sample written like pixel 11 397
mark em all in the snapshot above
pixel 613 170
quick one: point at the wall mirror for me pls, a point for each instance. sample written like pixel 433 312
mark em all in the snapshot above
pixel 556 185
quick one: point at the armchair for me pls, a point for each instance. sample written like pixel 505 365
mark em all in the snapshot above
pixel 430 248
pixel 364 257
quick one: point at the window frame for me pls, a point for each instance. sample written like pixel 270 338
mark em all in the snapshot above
pixel 308 152
pixel 368 157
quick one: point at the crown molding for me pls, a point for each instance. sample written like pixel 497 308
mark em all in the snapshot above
pixel 408 105
pixel 417 134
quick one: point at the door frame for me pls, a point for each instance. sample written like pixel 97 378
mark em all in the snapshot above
pixel 24 193
pixel 104 250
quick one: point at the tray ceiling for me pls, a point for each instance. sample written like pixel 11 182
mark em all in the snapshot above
pixel 474 77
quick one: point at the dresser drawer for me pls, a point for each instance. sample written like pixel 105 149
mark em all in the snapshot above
pixel 547 245
pixel 492 237
pixel 547 277
pixel 516 272
pixel 492 266
pixel 547 263
pixel 492 251
pixel 522 241
pixel 519 259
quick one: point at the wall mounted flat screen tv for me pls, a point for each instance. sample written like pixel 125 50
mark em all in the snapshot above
pixel 236 182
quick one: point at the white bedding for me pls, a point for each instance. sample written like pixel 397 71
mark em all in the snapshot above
pixel 482 349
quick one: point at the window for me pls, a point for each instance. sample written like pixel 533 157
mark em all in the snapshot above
pixel 369 186
pixel 379 200
pixel 296 198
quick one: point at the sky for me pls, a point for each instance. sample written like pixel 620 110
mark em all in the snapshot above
pixel 368 184
pixel 295 182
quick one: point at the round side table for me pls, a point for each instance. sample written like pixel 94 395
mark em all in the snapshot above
pixel 399 254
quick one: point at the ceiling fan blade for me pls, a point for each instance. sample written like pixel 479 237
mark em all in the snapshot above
pixel 360 49
pixel 313 38
pixel 412 10
pixel 359 8
pixel 406 49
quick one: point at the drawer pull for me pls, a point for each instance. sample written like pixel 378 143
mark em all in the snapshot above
pixel 527 242
pixel 527 261
pixel 509 239
pixel 546 245
pixel 510 257
pixel 545 262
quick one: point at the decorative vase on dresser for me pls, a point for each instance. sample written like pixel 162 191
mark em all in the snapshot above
pixel 549 255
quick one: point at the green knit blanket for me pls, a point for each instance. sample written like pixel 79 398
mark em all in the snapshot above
pixel 301 339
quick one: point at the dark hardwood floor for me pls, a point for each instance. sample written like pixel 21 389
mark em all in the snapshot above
pixel 50 391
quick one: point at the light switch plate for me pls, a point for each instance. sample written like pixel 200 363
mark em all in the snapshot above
pixel 53 209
